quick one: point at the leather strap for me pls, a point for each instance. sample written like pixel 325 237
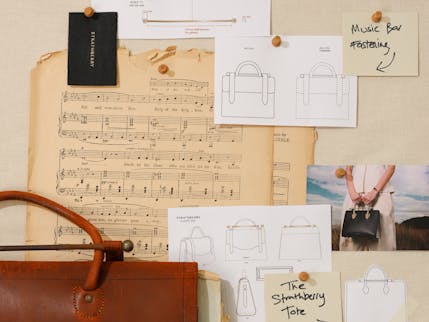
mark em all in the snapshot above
pixel 94 270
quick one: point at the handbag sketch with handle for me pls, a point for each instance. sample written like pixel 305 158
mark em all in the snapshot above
pixel 198 247
pixel 248 92
pixel 322 93
pixel 300 241
pixel 375 298
pixel 245 241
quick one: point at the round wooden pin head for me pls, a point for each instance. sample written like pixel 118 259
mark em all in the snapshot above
pixel 303 276
pixel 340 173
pixel 376 16
pixel 276 41
pixel 89 12
pixel 163 68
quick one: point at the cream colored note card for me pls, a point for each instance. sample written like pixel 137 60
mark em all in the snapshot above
pixel 386 48
pixel 316 300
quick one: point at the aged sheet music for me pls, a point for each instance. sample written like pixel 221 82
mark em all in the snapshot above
pixel 121 156
pixel 293 147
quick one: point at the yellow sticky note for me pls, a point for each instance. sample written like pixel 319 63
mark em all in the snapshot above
pixel 385 48
pixel 289 299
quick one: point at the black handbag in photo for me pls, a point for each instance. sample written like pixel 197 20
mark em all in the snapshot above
pixel 361 223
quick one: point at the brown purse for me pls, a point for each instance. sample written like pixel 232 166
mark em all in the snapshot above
pixel 104 289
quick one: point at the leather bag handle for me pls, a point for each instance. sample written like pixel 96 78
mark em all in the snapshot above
pixel 94 270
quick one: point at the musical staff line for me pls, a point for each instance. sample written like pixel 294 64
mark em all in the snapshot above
pixel 101 155
pixel 161 183
pixel 128 127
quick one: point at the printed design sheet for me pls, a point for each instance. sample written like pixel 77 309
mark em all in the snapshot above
pixel 150 19
pixel 299 83
pixel 121 156
pixel 383 299
pixel 242 244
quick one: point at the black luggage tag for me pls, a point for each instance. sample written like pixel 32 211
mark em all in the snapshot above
pixel 92 49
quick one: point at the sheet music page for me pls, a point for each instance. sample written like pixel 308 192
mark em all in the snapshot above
pixel 293 149
pixel 121 156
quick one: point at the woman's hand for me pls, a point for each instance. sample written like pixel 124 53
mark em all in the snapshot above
pixel 355 197
pixel 369 197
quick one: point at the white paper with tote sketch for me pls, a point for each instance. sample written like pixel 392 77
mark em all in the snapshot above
pixel 299 83
pixel 163 19
pixel 242 244
pixel 375 298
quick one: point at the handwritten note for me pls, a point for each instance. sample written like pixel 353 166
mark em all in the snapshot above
pixel 387 48
pixel 289 299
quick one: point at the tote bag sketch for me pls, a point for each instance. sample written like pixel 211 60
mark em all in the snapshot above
pixel 375 298
pixel 300 241
pixel 245 241
pixel 248 92
pixel 322 93
pixel 197 248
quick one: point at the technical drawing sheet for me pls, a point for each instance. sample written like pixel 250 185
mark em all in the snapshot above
pixel 242 244
pixel 160 19
pixel 121 156
pixel 299 83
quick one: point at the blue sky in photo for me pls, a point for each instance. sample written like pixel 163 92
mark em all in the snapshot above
pixel 410 182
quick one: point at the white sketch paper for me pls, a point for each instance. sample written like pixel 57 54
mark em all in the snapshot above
pixel 299 83
pixel 159 19
pixel 375 298
pixel 246 241
pixel 198 247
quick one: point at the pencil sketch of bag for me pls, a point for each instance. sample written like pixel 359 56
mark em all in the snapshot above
pixel 322 93
pixel 198 247
pixel 375 298
pixel 245 300
pixel 245 241
pixel 300 241
pixel 248 92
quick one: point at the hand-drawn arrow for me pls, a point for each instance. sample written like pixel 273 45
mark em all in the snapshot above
pixel 380 68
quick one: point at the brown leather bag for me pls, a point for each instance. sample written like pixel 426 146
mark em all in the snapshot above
pixel 97 290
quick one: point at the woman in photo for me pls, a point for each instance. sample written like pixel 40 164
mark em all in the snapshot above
pixel 369 185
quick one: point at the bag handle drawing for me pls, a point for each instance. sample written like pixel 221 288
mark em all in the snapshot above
pixel 302 218
pixel 318 66
pixel 258 73
pixel 197 231
pixel 322 65
pixel 375 273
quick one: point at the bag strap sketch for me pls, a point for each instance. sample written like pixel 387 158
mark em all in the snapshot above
pixel 375 273
pixel 100 247
pixel 316 72
pixel 303 219
pixel 238 73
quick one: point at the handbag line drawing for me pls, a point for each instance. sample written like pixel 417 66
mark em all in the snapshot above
pixel 248 92
pixel 245 300
pixel 245 241
pixel 198 247
pixel 375 298
pixel 322 93
pixel 300 241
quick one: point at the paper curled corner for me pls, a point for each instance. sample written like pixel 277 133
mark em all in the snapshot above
pixel 47 56
pixel 206 275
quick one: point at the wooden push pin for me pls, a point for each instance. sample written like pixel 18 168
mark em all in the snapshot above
pixel 376 16
pixel 276 41
pixel 89 12
pixel 163 68
pixel 303 276
pixel 340 173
